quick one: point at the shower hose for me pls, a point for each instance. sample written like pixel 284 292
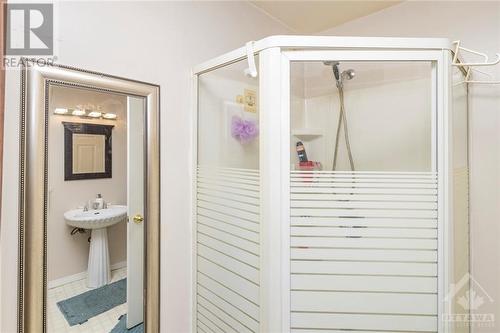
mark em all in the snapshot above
pixel 342 120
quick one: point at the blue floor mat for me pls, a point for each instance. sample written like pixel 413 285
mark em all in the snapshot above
pixel 80 308
pixel 122 328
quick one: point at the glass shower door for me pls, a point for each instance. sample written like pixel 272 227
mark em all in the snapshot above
pixel 363 196
pixel 227 202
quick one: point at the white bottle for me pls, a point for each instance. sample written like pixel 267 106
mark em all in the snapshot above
pixel 99 201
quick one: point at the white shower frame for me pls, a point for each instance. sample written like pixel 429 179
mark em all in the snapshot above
pixel 275 55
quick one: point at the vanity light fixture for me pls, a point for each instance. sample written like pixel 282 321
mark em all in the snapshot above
pixel 95 114
pixel 109 116
pixel 78 112
pixel 60 111
pixel 85 113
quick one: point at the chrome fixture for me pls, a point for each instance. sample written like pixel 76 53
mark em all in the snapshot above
pixel 340 77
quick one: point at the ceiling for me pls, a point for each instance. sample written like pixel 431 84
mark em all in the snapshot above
pixel 308 17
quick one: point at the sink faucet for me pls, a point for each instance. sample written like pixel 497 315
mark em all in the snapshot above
pixel 90 205
pixel 94 205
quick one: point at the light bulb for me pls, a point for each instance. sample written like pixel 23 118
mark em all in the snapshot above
pixel 60 111
pixel 109 116
pixel 94 114
pixel 78 112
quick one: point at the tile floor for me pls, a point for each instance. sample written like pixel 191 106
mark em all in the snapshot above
pixel 103 323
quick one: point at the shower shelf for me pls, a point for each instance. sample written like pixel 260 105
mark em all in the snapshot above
pixel 307 133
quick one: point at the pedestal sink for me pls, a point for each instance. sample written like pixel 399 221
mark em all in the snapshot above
pixel 98 273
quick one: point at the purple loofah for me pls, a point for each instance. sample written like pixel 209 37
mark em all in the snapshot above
pixel 243 130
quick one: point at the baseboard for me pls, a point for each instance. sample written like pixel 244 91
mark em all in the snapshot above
pixel 79 276
pixel 118 265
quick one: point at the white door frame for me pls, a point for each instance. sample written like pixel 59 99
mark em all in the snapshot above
pixel 135 205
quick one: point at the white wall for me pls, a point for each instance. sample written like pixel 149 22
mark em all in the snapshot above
pixel 477 24
pixel 158 42
pixel 67 254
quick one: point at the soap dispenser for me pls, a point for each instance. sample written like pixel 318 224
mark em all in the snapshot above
pixel 99 201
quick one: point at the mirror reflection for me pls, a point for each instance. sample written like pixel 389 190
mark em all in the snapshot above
pixel 87 151
pixel 95 252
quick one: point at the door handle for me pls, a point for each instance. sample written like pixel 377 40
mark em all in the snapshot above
pixel 138 218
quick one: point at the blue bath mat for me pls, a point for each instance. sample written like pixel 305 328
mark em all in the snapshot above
pixel 80 308
pixel 121 327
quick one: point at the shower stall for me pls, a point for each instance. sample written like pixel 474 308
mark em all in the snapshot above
pixel 330 187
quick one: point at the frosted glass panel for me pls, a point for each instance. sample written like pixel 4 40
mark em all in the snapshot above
pixel 228 202
pixel 363 198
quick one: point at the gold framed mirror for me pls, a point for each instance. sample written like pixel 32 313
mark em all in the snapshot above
pixel 66 233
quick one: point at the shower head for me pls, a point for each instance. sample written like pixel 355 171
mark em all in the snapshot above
pixel 340 76
pixel 335 69
pixel 348 74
